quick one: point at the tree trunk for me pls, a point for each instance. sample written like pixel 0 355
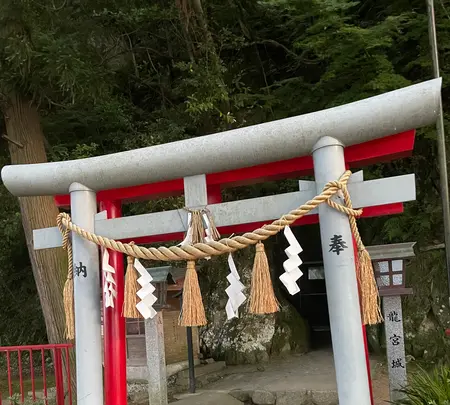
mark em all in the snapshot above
pixel 201 18
pixel 49 266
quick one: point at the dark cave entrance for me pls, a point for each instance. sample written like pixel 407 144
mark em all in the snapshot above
pixel 311 301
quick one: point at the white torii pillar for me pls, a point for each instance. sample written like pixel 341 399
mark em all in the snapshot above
pixel 87 291
pixel 341 283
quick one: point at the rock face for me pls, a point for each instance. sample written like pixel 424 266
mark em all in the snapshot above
pixel 251 338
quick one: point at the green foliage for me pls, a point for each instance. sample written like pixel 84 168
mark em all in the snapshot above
pixel 428 388
pixel 50 52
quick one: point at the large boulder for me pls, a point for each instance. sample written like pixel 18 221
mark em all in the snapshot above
pixel 250 339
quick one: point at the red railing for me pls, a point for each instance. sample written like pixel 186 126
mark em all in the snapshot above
pixel 41 372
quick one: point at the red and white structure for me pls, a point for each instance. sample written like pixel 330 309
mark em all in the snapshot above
pixel 378 129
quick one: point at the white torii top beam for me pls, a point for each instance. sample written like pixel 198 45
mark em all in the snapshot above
pixel 411 107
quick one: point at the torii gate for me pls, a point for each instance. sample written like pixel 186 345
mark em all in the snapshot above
pixel 211 160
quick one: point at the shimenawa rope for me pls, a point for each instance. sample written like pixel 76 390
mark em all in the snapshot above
pixel 216 248
pixel 369 293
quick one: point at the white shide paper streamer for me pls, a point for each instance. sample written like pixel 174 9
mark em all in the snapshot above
pixel 145 306
pixel 188 238
pixel 292 264
pixel 208 237
pixel 235 295
pixel 109 283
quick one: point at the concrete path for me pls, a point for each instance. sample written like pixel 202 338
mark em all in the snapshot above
pixel 312 371
pixel 296 380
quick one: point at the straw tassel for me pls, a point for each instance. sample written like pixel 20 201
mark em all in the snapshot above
pixel 192 312
pixel 68 295
pixel 69 306
pixel 198 228
pixel 131 288
pixel 215 235
pixel 369 296
pixel 370 299
pixel 262 296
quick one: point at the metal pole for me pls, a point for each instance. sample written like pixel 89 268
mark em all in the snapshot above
pixel 440 139
pixel 114 343
pixel 190 348
pixel 87 299
pixel 340 277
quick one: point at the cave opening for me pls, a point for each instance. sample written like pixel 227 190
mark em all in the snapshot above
pixel 311 301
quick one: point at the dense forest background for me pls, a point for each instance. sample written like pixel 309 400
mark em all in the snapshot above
pixel 105 76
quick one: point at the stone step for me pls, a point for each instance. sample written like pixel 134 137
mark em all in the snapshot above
pixel 204 375
pixel 207 398
pixel 301 397
pixel 259 397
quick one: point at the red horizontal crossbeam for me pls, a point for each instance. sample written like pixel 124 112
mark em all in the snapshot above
pixel 356 156
pixel 377 211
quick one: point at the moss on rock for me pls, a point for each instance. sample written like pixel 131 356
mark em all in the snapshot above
pixel 291 333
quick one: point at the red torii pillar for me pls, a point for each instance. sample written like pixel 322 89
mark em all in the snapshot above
pixel 114 335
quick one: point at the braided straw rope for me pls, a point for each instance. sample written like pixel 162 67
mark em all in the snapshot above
pixel 370 309
pixel 68 286
pixel 66 244
pixel 226 245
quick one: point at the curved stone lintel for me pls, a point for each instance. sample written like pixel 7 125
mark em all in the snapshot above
pixel 400 110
